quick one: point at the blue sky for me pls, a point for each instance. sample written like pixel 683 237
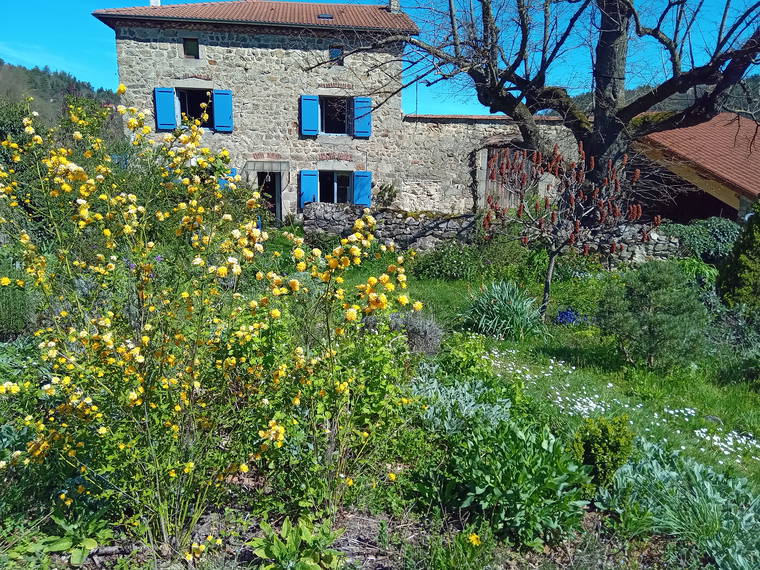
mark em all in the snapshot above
pixel 63 35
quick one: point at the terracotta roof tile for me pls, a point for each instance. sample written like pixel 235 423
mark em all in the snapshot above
pixel 725 147
pixel 301 14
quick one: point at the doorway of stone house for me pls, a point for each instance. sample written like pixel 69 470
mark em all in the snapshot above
pixel 270 186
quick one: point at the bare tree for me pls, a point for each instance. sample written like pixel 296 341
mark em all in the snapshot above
pixel 548 199
pixel 519 54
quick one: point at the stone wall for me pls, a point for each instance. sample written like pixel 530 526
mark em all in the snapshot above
pixel 436 162
pixel 418 230
pixel 636 251
pixel 426 230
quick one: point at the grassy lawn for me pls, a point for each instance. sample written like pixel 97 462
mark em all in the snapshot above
pixel 578 374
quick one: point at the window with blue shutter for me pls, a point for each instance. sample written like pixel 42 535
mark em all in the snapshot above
pixel 362 117
pixel 222 105
pixel 363 188
pixel 166 119
pixel 309 182
pixel 309 119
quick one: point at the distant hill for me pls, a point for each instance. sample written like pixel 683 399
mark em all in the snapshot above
pixel 49 89
pixel 682 100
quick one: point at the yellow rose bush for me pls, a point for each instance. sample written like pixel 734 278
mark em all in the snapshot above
pixel 180 364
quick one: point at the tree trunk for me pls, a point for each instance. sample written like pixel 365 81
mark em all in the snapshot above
pixel 553 254
pixel 607 141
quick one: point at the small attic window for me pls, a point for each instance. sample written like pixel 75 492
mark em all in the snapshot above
pixel 191 48
pixel 325 17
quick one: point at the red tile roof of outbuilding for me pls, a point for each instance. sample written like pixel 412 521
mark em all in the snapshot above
pixel 262 12
pixel 726 147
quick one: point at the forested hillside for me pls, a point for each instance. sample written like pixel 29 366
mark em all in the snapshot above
pixel 739 97
pixel 49 89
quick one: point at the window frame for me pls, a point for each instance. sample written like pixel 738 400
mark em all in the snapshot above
pixel 335 173
pixel 338 59
pixel 181 93
pixel 324 100
pixel 185 54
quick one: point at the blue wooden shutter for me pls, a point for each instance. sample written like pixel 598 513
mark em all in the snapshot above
pixel 362 117
pixel 309 115
pixel 363 188
pixel 163 97
pixel 222 106
pixel 309 187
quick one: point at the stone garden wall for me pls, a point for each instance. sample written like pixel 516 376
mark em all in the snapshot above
pixel 418 230
pixel 426 230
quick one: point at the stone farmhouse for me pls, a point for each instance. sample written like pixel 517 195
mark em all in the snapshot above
pixel 308 110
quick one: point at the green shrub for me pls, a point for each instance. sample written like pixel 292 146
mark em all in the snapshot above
pixel 302 546
pixel 449 261
pixel 463 354
pixel 604 445
pixel 739 279
pixel 665 493
pixel 711 239
pixel 703 274
pixel 503 310
pixel 524 484
pixel 654 313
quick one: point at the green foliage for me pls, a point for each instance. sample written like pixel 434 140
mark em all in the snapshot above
pixel 604 445
pixel 504 311
pixel 471 548
pixel 665 493
pixel 77 538
pixel 711 239
pixel 449 261
pixel 702 273
pixel 16 307
pixel 654 313
pixel 523 483
pixel 451 407
pixel 739 279
pixel 300 546
pixel 462 354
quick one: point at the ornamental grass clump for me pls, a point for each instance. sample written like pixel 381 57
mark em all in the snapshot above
pixel 170 376
pixel 503 310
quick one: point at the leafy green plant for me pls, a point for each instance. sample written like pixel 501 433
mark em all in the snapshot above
pixel 77 538
pixel 654 313
pixel 711 239
pixel 521 482
pixel 503 310
pixel 739 279
pixel 702 273
pixel 300 546
pixel 463 354
pixel 449 261
pixel 451 408
pixel 604 445
pixel 665 493
pixel 473 547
